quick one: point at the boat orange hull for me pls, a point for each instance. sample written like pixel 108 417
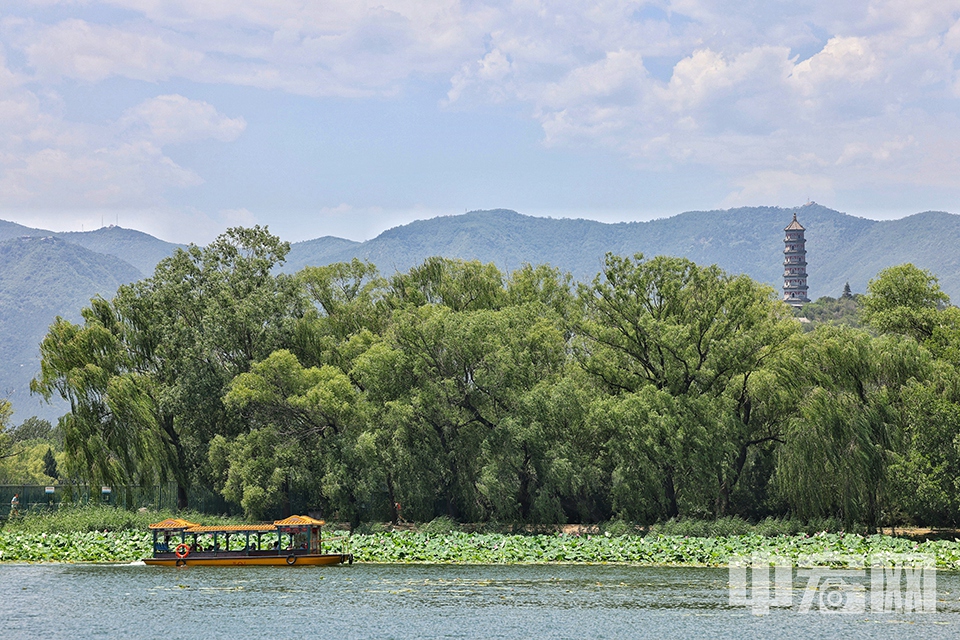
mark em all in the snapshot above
pixel 254 561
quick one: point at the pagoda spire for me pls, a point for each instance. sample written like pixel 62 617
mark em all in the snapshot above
pixel 794 264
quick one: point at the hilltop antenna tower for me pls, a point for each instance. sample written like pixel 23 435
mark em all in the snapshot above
pixel 794 265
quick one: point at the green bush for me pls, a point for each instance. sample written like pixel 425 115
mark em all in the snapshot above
pixel 736 526
pixel 438 526
pixel 619 528
pixel 82 518
pixel 368 528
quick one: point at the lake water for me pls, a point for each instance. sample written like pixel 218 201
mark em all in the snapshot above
pixel 421 601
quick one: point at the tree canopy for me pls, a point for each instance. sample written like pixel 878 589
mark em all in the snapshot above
pixel 661 389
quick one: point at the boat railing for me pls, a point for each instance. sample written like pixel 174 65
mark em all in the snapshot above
pixel 331 544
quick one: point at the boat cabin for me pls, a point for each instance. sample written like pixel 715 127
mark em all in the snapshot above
pixel 293 540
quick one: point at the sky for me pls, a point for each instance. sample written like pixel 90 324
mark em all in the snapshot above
pixel 327 117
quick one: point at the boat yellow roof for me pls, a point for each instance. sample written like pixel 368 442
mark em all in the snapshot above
pixel 173 523
pixel 177 524
pixel 298 521
pixel 232 528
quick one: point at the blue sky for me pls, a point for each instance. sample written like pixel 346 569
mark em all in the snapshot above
pixel 183 117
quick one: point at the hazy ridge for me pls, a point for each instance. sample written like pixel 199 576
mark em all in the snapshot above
pixel 44 274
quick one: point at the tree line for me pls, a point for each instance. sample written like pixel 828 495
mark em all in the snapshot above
pixel 661 389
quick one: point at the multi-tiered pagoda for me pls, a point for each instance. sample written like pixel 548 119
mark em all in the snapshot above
pixel 794 265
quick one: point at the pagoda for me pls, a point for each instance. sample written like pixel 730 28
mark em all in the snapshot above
pixel 794 265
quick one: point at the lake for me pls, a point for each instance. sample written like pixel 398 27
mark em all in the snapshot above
pixel 422 601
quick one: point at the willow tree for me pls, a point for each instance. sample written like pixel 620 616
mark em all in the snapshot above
pixel 926 470
pixel 839 449
pixel 678 347
pixel 461 385
pixel 301 423
pixel 905 300
pixel 349 301
pixel 112 434
pixel 146 372
pixel 452 384
pixel 6 410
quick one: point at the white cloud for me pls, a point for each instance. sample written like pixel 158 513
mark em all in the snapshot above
pixel 848 60
pixel 238 218
pixel 173 118
pixel 121 174
pixel 837 95
pixel 341 48
pixel 779 186
pixel 46 160
pixel 92 52
pixel 739 99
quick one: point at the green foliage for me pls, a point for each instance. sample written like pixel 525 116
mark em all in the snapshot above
pixel 27 464
pixel 462 548
pixel 736 526
pixel 91 518
pixel 653 549
pixel 927 469
pixel 145 373
pixel 454 284
pixel 662 392
pixel 438 526
pixel 677 347
pixel 905 300
pixel 92 546
pixel 836 458
pixel 618 528
pixel 6 438
pixel 50 465
pixel 826 310
pixel 33 428
pixel 26 450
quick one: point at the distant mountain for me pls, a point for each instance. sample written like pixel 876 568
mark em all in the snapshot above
pixel 929 240
pixel 841 248
pixel 321 251
pixel 134 247
pixel 140 249
pixel 48 273
pixel 9 230
pixel 40 278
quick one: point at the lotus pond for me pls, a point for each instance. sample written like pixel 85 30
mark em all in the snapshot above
pixel 477 548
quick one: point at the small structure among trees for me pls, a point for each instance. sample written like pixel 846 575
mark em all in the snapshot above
pixel 794 265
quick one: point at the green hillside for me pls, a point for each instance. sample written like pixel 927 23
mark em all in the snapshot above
pixel 40 278
pixel 10 230
pixel 325 250
pixel 57 273
pixel 141 250
pixel 840 248
pixel 928 240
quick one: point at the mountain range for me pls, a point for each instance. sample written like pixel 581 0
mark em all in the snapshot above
pixel 44 274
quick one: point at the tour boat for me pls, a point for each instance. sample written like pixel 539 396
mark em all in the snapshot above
pixel 295 541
